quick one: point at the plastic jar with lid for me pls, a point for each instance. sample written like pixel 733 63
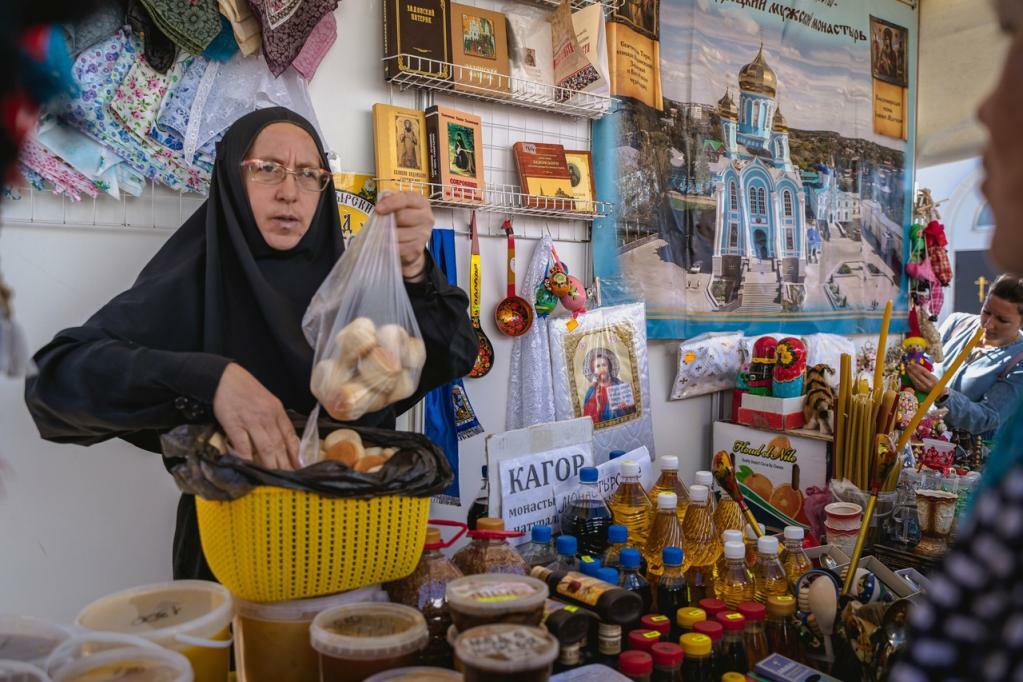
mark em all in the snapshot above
pixel 417 674
pixel 477 600
pixel 28 640
pixel 643 640
pixel 272 640
pixel 504 652
pixel 489 551
pixel 192 617
pixel 667 662
pixel 356 641
pixel 638 666
pixel 142 664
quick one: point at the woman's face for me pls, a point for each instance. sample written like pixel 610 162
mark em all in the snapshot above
pixel 283 212
pixel 1001 321
pixel 601 368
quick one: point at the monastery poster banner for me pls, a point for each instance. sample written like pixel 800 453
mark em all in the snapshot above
pixel 771 189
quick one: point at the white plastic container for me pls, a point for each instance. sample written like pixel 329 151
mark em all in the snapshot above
pixel 19 671
pixel 191 617
pixel 29 640
pixel 141 664
pixel 272 640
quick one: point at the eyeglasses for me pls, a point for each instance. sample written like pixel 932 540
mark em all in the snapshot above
pixel 273 173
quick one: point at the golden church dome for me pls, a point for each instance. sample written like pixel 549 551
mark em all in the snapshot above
pixel 780 125
pixel 727 108
pixel 758 77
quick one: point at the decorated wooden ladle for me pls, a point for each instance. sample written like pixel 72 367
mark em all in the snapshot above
pixel 514 315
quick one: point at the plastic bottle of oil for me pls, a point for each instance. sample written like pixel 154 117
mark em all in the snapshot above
pixel 728 515
pixel 793 557
pixel 702 544
pixel 630 505
pixel 750 539
pixel 669 482
pixel 665 532
pixel 726 536
pixel 769 575
pixel 706 478
pixel 735 583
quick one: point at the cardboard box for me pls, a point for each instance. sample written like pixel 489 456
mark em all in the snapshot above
pixel 777 472
pixel 766 412
pixel 838 556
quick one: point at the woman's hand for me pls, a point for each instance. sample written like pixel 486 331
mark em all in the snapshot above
pixel 414 219
pixel 922 380
pixel 254 420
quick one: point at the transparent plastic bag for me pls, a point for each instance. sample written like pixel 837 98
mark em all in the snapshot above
pixel 368 350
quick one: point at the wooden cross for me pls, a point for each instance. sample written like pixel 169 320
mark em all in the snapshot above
pixel 981 282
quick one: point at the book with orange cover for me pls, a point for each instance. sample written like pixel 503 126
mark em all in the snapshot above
pixel 455 148
pixel 543 174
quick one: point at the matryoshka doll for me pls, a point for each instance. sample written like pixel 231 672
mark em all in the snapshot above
pixel 789 368
pixel 762 366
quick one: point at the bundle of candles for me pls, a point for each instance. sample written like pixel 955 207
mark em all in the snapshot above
pixel 865 451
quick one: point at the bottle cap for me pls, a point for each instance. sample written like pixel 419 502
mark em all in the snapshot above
pixel 733 677
pixel 655 621
pixel 690 616
pixel 752 611
pixel 672 556
pixel 630 558
pixel 617 534
pixel 489 523
pixel 589 565
pixel 667 655
pixel 750 535
pixel 695 644
pixel 615 454
pixel 794 532
pixel 432 535
pixel 767 545
pixel 705 478
pixel 667 500
pixel 781 605
pixel 668 462
pixel 541 534
pixel 699 493
pixel 588 474
pixel 731 535
pixel 608 575
pixel 630 468
pixel 732 621
pixel 709 628
pixel 712 607
pixel 643 639
pixel 735 550
pixel 567 545
pixel 635 663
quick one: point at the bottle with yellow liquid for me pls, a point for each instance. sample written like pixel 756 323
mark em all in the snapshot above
pixel 702 545
pixel 631 507
pixel 706 478
pixel 793 556
pixel 735 583
pixel 726 537
pixel 665 532
pixel 669 482
pixel 769 577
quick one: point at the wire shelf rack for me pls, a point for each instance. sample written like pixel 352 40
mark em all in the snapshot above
pixel 502 199
pixel 486 86
pixel 609 5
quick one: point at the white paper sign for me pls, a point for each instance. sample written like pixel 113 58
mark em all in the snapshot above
pixel 537 507
pixel 609 475
pixel 555 471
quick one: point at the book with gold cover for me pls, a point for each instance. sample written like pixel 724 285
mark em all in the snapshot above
pixel 455 150
pixel 415 31
pixel 635 65
pixel 580 172
pixel 400 142
pixel 479 50
pixel 543 172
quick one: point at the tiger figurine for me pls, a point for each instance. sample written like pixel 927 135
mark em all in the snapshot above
pixel 819 403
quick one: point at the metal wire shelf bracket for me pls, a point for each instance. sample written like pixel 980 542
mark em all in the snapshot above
pixel 501 199
pixel 420 72
pixel 609 5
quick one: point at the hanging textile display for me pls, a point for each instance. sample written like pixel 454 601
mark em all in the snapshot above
pixel 767 183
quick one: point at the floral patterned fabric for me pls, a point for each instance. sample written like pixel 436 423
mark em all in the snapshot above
pixel 191 24
pixel 159 49
pixel 172 119
pixel 99 71
pixel 64 178
pixel 137 99
pixel 286 26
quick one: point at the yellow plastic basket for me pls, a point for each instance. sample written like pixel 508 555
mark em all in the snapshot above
pixel 276 544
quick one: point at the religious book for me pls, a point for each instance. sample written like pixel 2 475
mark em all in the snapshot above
pixel 532 62
pixel 400 143
pixel 635 65
pixel 580 173
pixel 544 175
pixel 572 69
pixel 416 31
pixel 592 38
pixel 479 47
pixel 454 141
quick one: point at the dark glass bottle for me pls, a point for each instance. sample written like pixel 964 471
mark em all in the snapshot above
pixel 481 505
pixel 672 588
pixel 611 603
pixel 588 516
pixel 733 657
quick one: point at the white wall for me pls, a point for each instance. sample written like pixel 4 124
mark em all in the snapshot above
pixel 76 523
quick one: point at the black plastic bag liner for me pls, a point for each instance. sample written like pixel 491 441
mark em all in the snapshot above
pixel 418 469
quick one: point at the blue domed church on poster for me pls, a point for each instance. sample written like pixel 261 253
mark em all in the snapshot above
pixel 760 230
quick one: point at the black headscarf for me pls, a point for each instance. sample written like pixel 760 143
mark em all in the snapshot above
pixel 218 285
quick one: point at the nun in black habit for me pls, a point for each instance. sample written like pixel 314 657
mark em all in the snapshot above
pixel 211 329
